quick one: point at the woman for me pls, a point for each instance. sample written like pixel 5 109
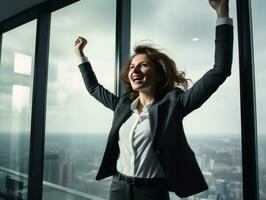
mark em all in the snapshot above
pixel 147 153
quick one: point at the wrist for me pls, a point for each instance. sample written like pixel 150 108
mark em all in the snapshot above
pixel 80 54
pixel 224 12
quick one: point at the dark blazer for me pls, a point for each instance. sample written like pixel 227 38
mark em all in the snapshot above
pixel 166 115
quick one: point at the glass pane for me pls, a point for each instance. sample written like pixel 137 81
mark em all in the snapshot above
pixel 16 79
pixel 259 31
pixel 185 30
pixel 77 125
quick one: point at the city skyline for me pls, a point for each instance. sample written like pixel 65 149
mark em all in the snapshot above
pixel 219 159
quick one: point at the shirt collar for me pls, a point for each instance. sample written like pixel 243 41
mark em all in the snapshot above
pixel 135 103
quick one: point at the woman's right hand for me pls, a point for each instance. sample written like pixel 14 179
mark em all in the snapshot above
pixel 80 43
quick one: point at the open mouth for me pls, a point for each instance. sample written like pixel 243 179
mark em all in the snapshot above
pixel 137 78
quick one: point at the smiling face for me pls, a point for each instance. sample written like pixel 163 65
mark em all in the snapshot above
pixel 142 74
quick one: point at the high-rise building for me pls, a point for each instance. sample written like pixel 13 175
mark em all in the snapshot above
pixel 51 167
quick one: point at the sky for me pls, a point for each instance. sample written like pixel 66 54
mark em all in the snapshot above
pixel 171 25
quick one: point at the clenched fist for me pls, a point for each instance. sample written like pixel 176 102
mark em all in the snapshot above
pixel 80 43
pixel 220 6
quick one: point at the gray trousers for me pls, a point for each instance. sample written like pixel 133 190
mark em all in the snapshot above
pixel 121 190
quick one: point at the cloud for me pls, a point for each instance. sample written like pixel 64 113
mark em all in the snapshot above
pixel 171 25
pixel 70 108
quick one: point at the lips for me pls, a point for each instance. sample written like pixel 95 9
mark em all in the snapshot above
pixel 137 78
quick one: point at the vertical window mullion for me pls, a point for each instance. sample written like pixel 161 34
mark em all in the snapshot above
pixel 248 101
pixel 39 107
pixel 122 51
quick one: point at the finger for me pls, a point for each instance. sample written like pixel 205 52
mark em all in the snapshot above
pixel 76 42
pixel 81 38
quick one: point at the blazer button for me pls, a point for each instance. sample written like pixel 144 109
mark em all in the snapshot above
pixel 157 152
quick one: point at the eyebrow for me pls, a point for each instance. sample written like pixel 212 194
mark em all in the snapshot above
pixel 140 62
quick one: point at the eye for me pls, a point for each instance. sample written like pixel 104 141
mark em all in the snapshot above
pixel 145 65
pixel 131 66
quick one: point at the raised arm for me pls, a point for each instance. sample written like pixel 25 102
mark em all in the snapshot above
pixel 103 95
pixel 195 96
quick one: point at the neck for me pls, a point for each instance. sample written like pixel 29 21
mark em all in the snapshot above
pixel 145 98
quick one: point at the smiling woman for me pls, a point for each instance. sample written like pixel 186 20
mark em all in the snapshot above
pixel 147 152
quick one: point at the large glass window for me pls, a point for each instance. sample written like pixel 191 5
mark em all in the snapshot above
pixel 77 125
pixel 259 31
pixel 16 78
pixel 185 30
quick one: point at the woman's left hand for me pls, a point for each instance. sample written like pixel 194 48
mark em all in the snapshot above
pixel 221 7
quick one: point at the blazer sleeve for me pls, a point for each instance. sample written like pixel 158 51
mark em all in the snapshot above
pixel 194 97
pixel 100 93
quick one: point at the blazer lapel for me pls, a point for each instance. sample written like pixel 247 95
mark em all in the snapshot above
pixel 121 116
pixel 153 115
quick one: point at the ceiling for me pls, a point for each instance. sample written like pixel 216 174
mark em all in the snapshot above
pixel 9 8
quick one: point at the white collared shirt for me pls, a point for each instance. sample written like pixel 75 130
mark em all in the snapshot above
pixel 137 157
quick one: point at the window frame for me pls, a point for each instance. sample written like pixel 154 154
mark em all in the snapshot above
pixel 247 101
pixel 42 13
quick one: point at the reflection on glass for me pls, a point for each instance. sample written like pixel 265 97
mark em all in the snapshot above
pixel 77 125
pixel 22 63
pixel 15 109
pixel 259 30
pixel 20 98
pixel 185 30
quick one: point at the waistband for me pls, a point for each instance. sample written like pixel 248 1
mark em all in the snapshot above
pixel 142 181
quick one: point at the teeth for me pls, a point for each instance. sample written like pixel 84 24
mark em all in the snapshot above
pixel 137 78
pixel 134 79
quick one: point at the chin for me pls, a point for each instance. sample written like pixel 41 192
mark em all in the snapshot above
pixel 136 89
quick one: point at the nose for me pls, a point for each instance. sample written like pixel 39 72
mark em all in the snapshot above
pixel 136 69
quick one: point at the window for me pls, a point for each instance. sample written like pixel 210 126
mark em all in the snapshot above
pixel 213 131
pixel 77 125
pixel 16 77
pixel 259 30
